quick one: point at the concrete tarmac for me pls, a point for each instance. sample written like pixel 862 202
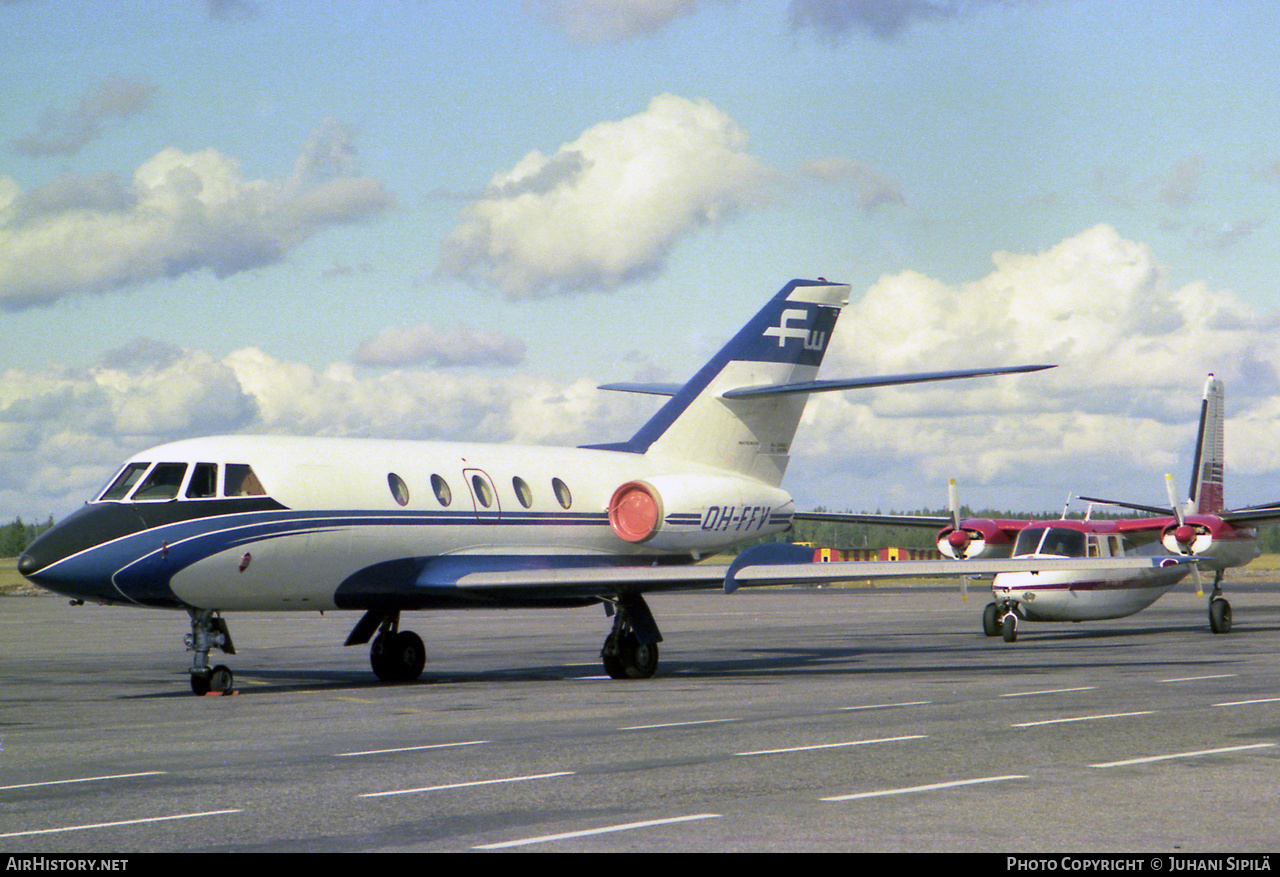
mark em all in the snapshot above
pixel 781 720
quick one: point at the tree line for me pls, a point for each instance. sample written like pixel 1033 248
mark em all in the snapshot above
pixel 15 537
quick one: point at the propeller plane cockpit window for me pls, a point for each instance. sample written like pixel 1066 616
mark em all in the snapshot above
pixel 1055 541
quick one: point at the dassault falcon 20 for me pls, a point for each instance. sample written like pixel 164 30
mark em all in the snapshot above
pixel 239 523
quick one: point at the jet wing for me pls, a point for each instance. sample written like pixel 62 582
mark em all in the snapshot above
pixel 932 522
pixel 772 563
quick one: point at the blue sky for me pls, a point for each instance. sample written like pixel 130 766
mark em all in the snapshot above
pixel 447 220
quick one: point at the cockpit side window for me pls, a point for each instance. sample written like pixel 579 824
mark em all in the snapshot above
pixel 162 483
pixel 1028 541
pixel 240 481
pixel 124 482
pixel 1064 543
pixel 204 481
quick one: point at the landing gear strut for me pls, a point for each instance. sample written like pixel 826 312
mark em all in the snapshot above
pixel 209 631
pixel 631 649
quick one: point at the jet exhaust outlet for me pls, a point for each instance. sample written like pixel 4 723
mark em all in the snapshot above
pixel 635 512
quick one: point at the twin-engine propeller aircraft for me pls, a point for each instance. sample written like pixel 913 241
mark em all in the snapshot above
pixel 235 523
pixel 1218 539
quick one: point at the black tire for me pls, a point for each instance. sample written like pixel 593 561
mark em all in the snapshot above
pixel 1219 615
pixel 991 620
pixel 639 661
pixel 220 679
pixel 611 659
pixel 398 657
pixel 199 684
pixel 1009 628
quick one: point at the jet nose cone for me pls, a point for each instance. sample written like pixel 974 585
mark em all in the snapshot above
pixel 28 564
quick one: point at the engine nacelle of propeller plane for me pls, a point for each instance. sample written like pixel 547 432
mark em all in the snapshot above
pixel 697 513
pixel 974 539
pixel 1195 536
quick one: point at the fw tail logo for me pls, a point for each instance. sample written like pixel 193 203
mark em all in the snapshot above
pixel 784 330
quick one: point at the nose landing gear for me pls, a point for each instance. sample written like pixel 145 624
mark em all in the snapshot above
pixel 209 631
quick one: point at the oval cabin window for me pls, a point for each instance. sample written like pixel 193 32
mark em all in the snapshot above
pixel 563 496
pixel 442 491
pixel 399 489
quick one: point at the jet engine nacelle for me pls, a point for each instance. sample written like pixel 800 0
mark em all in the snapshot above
pixel 698 513
pixel 1195 536
pixel 974 539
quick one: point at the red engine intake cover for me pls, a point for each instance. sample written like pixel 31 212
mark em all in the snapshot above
pixel 633 512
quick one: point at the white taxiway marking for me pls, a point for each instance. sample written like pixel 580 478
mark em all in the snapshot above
pixel 1082 719
pixel 1247 702
pixel 121 822
pixel 537 776
pixel 885 706
pixel 1151 758
pixel 409 748
pixel 1048 691
pixel 1198 678
pixel 932 787
pixel 118 776
pixel 832 745
pixel 628 826
pixel 676 724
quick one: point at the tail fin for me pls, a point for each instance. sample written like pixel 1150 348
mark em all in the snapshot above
pixel 748 432
pixel 1206 494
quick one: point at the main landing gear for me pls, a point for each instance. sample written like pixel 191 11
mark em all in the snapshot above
pixel 1219 608
pixel 631 649
pixel 209 631
pixel 396 655
pixel 1000 620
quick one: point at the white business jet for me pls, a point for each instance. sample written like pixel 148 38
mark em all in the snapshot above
pixel 241 523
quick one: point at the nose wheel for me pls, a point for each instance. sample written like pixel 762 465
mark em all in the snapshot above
pixel 1000 619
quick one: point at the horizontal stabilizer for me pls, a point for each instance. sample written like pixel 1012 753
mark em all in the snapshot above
pixel 649 389
pixel 878 381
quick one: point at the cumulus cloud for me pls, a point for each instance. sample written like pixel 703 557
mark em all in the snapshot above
pixel 181 212
pixel 66 133
pixel 424 344
pixel 607 208
pixel 593 21
pixel 1132 352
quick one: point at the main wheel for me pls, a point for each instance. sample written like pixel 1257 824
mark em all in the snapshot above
pixel 991 620
pixel 398 657
pixel 638 660
pixel 611 659
pixel 1219 615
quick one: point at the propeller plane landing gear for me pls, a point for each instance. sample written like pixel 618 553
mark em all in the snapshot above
pixel 1000 620
pixel 209 631
pixel 631 649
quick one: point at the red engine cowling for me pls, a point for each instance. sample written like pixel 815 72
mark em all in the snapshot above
pixel 974 538
pixel 1195 536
